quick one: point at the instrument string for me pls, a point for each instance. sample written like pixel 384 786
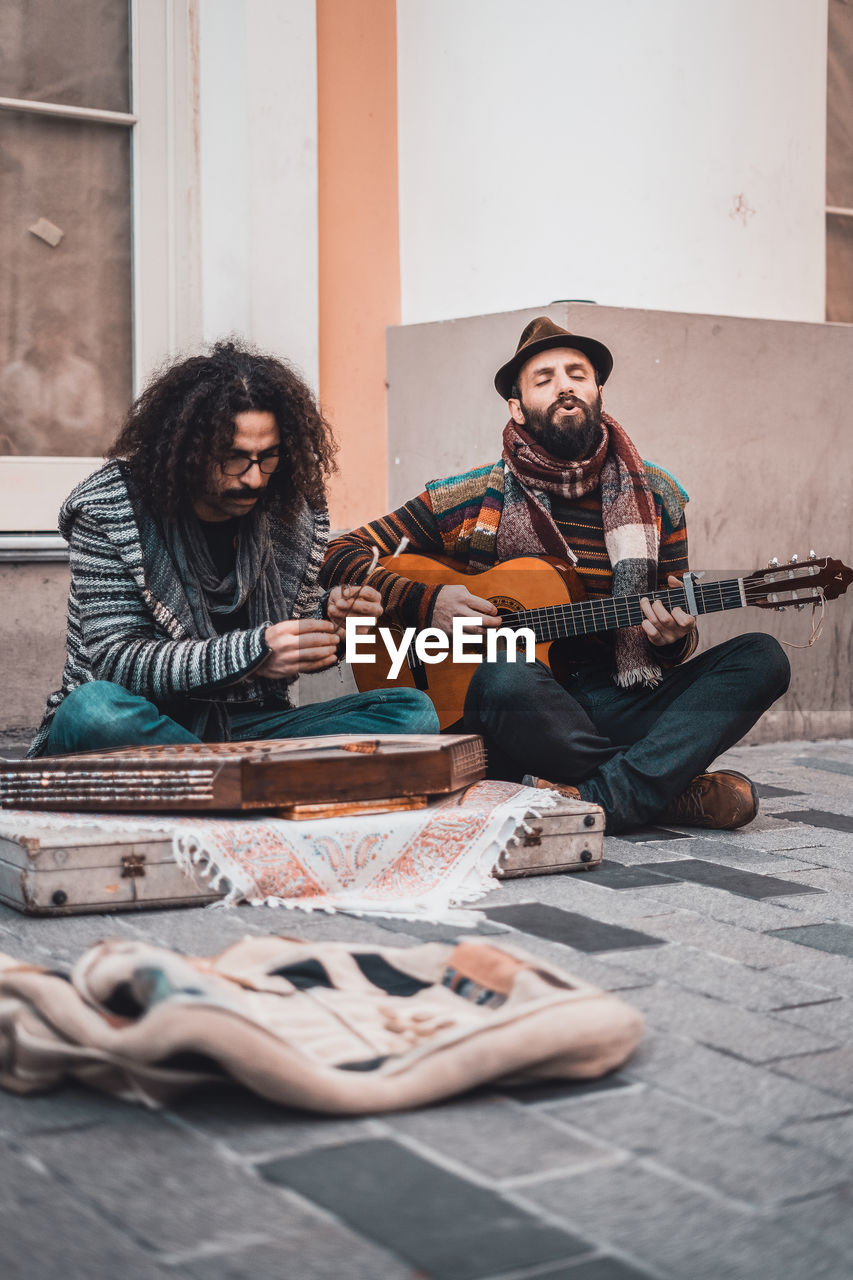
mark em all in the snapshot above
pixel 608 613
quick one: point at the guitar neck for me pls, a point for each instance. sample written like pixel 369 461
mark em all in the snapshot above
pixel 611 613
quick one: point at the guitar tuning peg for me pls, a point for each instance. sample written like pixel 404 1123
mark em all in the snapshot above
pixel 813 554
pixel 800 608
pixel 774 563
pixel 794 559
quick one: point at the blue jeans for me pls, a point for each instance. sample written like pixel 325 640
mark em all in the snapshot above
pixel 99 715
pixel 630 750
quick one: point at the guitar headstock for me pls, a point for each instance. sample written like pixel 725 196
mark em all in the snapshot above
pixel 798 582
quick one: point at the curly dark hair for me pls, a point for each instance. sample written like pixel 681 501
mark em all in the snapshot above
pixel 183 423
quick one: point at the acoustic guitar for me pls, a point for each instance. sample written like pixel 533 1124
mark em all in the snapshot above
pixel 546 595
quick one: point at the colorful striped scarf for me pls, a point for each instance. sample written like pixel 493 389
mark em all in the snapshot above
pixel 534 477
pixel 513 518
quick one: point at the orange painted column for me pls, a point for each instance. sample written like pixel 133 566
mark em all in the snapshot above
pixel 359 269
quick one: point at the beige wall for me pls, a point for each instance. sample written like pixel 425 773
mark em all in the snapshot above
pixel 32 639
pixel 752 416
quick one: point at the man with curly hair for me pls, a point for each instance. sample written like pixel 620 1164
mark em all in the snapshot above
pixel 195 553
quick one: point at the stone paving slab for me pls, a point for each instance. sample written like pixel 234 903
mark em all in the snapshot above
pixel 837 939
pixel 739 1091
pixel 732 879
pixel 48 1230
pixel 832 972
pixel 166 1185
pixel 495 1140
pixel 831 1070
pixel 239 1123
pixel 724 1157
pixel 316 1255
pixel 833 1137
pixel 832 1018
pixel 582 932
pixel 716 904
pixel 672 1225
pixel 582 892
pixel 605 1268
pixel 825 1219
pixel 726 979
pixel 743 1033
pixel 750 947
pixel 724 1148
pixel 443 1224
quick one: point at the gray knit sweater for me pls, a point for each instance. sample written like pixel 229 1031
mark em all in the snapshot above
pixel 129 620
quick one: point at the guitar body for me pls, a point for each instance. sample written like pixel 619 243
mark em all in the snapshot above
pixel 528 582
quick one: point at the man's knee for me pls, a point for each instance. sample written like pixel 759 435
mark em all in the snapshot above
pixel 501 683
pixel 81 716
pixel 416 711
pixel 768 660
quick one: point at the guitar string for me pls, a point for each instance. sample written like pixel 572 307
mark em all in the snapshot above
pixel 731 593
pixel 603 614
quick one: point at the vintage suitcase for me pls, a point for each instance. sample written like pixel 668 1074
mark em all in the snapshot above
pixel 52 869
pixel 69 871
pixel 261 776
pixel 569 837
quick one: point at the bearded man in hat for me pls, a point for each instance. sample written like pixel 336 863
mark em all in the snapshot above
pixel 195 552
pixel 631 725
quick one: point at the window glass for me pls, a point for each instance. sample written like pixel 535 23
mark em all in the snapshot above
pixel 75 52
pixel 65 284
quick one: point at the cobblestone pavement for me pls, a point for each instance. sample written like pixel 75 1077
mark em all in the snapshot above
pixel 723 1149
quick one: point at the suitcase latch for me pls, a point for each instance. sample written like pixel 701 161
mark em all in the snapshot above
pixel 132 866
pixel 534 837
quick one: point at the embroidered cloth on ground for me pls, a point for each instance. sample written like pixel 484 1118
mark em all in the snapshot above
pixel 420 863
pixel 327 1026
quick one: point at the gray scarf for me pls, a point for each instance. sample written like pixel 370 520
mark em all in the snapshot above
pixel 275 575
pixel 252 580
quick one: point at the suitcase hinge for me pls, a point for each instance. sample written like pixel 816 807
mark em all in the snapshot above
pixel 132 866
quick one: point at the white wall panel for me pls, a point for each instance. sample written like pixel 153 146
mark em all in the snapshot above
pixel 224 127
pixel 259 174
pixel 644 153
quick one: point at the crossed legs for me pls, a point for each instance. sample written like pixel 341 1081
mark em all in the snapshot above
pixel 630 750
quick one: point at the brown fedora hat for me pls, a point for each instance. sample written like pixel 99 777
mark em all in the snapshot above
pixel 541 334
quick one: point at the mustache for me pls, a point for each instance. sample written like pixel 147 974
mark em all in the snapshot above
pixel 567 401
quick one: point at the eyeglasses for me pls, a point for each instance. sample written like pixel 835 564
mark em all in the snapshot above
pixel 235 465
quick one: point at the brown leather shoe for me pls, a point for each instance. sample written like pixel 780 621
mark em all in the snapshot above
pixel 724 799
pixel 564 788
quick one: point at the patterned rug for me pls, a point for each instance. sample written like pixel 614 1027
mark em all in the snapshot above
pixel 418 864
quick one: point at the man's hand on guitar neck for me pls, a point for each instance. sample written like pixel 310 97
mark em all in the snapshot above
pixel 663 627
pixel 457 602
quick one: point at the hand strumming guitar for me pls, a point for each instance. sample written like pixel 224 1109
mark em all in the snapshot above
pixel 457 602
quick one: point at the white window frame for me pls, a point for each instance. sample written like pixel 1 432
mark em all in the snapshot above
pixel 165 231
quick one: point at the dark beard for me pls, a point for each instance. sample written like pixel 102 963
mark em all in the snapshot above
pixel 573 440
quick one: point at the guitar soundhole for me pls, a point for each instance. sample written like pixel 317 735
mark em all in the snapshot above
pixel 506 604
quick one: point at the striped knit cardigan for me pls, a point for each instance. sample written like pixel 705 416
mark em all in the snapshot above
pixel 129 620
